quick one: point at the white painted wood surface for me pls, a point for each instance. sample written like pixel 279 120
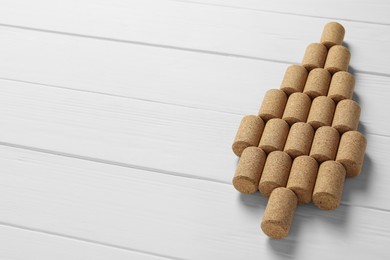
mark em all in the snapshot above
pixel 117 117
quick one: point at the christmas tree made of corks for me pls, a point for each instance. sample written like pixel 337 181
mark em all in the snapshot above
pixel 304 141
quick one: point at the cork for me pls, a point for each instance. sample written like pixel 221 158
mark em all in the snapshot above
pixel 273 104
pixel 333 34
pixel 299 140
pixel 315 56
pixel 302 178
pixel 337 59
pixel 294 79
pixel 279 213
pixel 317 83
pixel 275 174
pixel 248 134
pixel 249 169
pixel 274 135
pixel 329 185
pixel 325 144
pixel 351 152
pixel 297 108
pixel 346 116
pixel 341 86
pixel 321 112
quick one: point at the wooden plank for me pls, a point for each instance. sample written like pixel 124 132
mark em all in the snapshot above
pixel 223 31
pixel 167 215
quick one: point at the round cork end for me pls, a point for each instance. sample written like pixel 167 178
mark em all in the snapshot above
pixel 325 201
pixel 267 187
pixel 353 168
pixel 244 184
pixel 274 229
pixel 239 146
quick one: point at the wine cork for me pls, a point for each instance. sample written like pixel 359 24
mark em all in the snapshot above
pixel 315 56
pixel 341 86
pixel 321 112
pixel 317 83
pixel 302 177
pixel 275 173
pixel 333 34
pixel 249 169
pixel 297 108
pixel 294 79
pixel 351 152
pixel 248 134
pixel 299 140
pixel 346 116
pixel 274 135
pixel 325 144
pixel 273 104
pixel 329 185
pixel 279 213
pixel 337 59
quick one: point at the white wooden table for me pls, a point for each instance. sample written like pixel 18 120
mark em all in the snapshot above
pixel 117 118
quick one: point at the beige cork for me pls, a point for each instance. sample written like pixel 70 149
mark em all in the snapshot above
pixel 297 108
pixel 274 135
pixel 248 134
pixel 279 213
pixel 294 79
pixel 273 104
pixel 317 83
pixel 275 174
pixel 337 59
pixel 299 140
pixel 325 144
pixel 351 152
pixel 341 86
pixel 333 34
pixel 346 116
pixel 315 56
pixel 249 169
pixel 321 112
pixel 302 177
pixel 329 185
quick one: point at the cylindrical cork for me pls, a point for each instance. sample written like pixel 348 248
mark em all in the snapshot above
pixel 341 86
pixel 325 143
pixel 294 79
pixel 299 140
pixel 315 56
pixel 351 152
pixel 346 116
pixel 274 135
pixel 317 83
pixel 302 177
pixel 249 169
pixel 275 173
pixel 321 112
pixel 337 59
pixel 329 185
pixel 273 104
pixel 248 134
pixel 333 34
pixel 279 213
pixel 297 108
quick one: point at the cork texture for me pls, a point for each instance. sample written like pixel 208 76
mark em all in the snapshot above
pixel 337 59
pixel 294 79
pixel 302 178
pixel 315 56
pixel 297 108
pixel 299 140
pixel 346 116
pixel 279 213
pixel 325 144
pixel 321 112
pixel 341 86
pixel 248 134
pixel 275 174
pixel 351 152
pixel 329 185
pixel 274 135
pixel 333 34
pixel 273 104
pixel 317 83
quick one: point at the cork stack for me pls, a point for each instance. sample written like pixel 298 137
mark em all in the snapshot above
pixel 304 141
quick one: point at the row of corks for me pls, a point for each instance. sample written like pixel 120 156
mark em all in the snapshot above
pixel 303 143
